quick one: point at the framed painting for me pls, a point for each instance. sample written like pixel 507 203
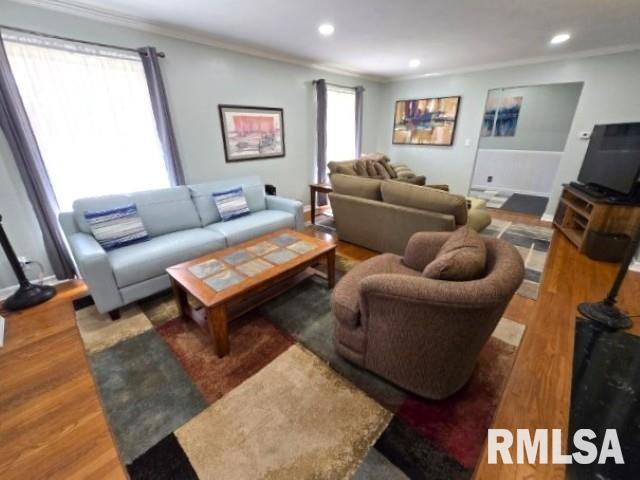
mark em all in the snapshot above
pixel 251 133
pixel 426 121
pixel 501 116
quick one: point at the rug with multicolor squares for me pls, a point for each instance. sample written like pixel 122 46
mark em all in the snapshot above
pixel 282 404
pixel 533 243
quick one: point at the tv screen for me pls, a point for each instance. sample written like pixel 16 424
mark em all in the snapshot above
pixel 613 157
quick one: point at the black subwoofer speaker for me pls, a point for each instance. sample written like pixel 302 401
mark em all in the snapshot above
pixel 606 247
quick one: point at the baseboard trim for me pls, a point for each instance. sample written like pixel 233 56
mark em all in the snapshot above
pixel 8 291
pixel 547 217
pixel 635 266
pixel 510 190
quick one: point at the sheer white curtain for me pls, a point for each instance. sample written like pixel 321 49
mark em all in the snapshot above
pixel 341 125
pixel 91 114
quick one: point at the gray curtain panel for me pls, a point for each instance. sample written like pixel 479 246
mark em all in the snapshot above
pixel 160 105
pixel 321 136
pixel 22 142
pixel 359 99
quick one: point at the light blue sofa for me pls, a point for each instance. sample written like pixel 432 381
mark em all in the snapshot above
pixel 183 223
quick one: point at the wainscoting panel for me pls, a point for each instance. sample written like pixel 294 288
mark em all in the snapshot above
pixel 519 171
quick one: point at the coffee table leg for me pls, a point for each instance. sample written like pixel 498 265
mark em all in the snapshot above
pixel 331 268
pixel 181 299
pixel 217 321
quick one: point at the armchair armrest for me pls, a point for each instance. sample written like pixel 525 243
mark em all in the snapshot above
pixel 422 249
pixel 475 294
pixel 94 266
pixel 287 205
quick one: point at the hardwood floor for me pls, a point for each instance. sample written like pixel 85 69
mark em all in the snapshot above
pixel 51 420
pixel 538 392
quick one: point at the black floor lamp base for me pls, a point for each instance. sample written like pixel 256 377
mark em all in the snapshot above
pixel 29 295
pixel 605 313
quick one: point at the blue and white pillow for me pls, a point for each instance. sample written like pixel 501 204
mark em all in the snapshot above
pixel 231 204
pixel 117 227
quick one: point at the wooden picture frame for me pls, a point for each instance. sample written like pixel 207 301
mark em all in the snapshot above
pixel 251 133
pixel 426 121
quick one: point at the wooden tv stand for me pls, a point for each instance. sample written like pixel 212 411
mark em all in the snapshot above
pixel 578 213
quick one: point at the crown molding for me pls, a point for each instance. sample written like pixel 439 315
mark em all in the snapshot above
pixel 100 14
pixel 95 12
pixel 518 63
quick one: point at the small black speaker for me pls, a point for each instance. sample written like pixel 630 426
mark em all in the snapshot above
pixel 606 247
pixel 270 189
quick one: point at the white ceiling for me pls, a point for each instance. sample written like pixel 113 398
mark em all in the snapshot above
pixel 379 37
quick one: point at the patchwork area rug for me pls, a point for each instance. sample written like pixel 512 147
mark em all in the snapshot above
pixel 533 244
pixel 282 404
pixel 494 198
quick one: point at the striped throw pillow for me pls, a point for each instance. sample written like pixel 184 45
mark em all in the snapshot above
pixel 231 204
pixel 117 227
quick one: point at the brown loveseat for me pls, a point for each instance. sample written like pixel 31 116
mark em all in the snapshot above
pixel 422 334
pixel 376 166
pixel 382 215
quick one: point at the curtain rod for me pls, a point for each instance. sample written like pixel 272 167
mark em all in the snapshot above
pixel 67 39
pixel 337 85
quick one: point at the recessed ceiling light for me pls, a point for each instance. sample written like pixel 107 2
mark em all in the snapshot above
pixel 414 63
pixel 560 38
pixel 326 29
pixel 431 74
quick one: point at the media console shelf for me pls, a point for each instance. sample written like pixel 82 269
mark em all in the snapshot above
pixel 578 214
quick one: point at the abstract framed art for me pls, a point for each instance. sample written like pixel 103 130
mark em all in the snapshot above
pixel 251 133
pixel 501 116
pixel 426 121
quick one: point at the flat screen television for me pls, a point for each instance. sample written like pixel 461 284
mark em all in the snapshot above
pixel 613 158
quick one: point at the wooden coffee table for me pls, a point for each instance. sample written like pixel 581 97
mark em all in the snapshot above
pixel 230 282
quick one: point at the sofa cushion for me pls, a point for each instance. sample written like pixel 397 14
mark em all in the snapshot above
pixel 259 223
pixel 162 211
pixel 356 186
pixel 425 198
pixel 462 257
pixel 231 204
pixel 346 169
pixel 143 261
pixel 345 299
pixel 252 187
pixel 166 210
pixel 117 227
pixel 381 171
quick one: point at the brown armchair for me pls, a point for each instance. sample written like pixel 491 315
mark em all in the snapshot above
pixel 422 334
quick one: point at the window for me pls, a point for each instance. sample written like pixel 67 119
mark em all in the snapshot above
pixel 341 123
pixel 90 111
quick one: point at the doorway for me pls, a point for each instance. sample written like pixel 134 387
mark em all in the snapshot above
pixel 523 135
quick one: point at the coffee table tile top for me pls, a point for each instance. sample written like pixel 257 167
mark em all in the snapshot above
pixel 301 247
pixel 284 240
pixel 254 267
pixel 208 268
pixel 237 257
pixel 262 248
pixel 280 256
pixel 228 270
pixel 224 279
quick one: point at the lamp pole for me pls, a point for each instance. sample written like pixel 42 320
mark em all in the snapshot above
pixel 27 294
pixel 606 311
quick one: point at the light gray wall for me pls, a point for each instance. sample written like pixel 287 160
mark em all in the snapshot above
pixel 545 117
pixel 197 78
pixel 610 94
